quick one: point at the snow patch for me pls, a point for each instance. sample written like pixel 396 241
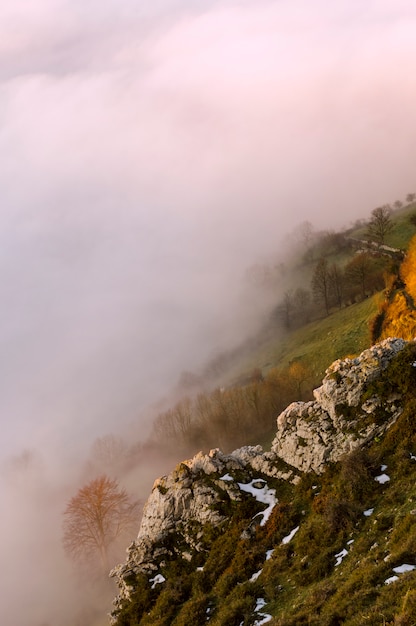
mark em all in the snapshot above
pixel 157 580
pixel 339 556
pixel 260 490
pixel 401 569
pixel 382 479
pixel 255 576
pixel 265 617
pixel 390 580
pixel 290 536
pixel 226 477
pixel 368 512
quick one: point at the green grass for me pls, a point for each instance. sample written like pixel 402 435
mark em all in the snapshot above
pixel 300 582
pixel 402 232
pixel 319 343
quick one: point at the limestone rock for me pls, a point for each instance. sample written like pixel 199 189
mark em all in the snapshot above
pixel 310 434
pixel 181 504
pixel 199 491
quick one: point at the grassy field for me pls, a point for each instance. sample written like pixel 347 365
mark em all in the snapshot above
pixel 402 232
pixel 319 343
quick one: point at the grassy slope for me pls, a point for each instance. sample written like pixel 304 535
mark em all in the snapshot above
pixel 301 583
pixel 402 232
pixel 319 343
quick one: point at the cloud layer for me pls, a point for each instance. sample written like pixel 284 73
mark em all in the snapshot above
pixel 149 152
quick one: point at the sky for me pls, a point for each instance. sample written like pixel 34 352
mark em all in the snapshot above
pixel 149 153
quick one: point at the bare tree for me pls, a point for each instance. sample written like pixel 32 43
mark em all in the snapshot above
pixel 302 303
pixel 398 205
pixel 336 283
pixel 410 197
pixel 380 223
pixel 304 233
pixel 320 283
pixel 358 271
pixel 287 307
pixel 108 454
pixel 95 518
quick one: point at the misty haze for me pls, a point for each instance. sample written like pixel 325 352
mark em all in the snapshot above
pixel 151 153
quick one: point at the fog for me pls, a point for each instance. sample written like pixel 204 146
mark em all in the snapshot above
pixel 150 153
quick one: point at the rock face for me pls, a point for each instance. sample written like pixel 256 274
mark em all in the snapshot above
pixel 310 434
pixel 203 490
pixel 198 492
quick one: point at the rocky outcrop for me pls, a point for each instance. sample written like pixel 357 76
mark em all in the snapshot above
pixel 204 490
pixel 199 492
pixel 341 418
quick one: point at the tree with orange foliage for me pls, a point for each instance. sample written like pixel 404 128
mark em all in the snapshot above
pixel 408 269
pixel 98 515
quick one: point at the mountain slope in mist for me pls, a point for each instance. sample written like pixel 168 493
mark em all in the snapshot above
pixel 267 543
pixel 310 562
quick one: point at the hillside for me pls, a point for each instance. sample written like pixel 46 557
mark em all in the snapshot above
pixel 320 530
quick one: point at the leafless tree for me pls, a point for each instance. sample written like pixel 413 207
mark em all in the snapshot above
pixel 320 283
pixel 95 518
pixel 286 307
pixel 336 280
pixel 380 223
pixel 302 302
pixel 108 454
pixel 358 271
pixel 410 197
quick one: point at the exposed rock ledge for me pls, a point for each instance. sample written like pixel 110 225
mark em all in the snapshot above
pixel 308 436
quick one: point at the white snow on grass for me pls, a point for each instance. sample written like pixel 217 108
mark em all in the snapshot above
pixel 383 468
pixel 412 457
pixel 157 580
pixel 340 556
pixel 255 576
pixel 382 479
pixel 226 477
pixel 290 536
pixel 265 617
pixel 390 580
pixel 259 489
pixel 400 569
pixel 368 512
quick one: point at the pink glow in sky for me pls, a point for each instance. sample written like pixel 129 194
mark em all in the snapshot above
pixel 150 152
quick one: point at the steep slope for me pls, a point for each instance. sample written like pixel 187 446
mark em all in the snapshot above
pixel 223 535
pixel 398 314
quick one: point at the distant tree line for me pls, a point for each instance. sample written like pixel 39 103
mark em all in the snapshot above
pixel 231 417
